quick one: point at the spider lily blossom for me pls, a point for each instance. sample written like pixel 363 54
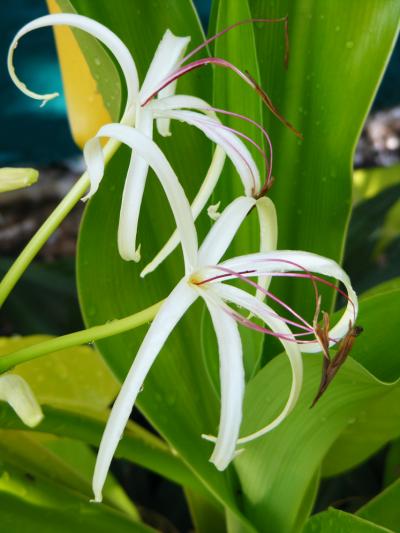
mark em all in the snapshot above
pixel 206 279
pixel 155 100
pixel 16 392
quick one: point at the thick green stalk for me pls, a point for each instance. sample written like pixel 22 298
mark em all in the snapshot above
pixel 79 337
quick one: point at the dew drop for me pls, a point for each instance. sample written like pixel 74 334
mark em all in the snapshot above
pixel 349 44
pixel 97 61
pixel 337 28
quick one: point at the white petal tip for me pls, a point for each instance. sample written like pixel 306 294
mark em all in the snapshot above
pixel 147 270
pixel 220 465
pixel 34 420
pixel 97 499
pixel 49 97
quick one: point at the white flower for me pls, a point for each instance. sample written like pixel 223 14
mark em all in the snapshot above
pixel 142 108
pixel 16 392
pixel 205 278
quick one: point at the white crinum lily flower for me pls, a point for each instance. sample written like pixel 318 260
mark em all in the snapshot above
pixel 142 108
pixel 17 393
pixel 205 279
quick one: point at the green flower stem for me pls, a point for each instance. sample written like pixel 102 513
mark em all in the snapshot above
pixel 137 444
pixel 48 227
pixel 79 337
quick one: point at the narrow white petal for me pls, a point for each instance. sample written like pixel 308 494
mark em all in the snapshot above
pixel 94 160
pixel 148 150
pixel 266 313
pixel 232 384
pixel 197 206
pixel 133 193
pixel 103 34
pixel 234 148
pixel 16 391
pixel 182 101
pixel 169 315
pixel 165 60
pixel 165 102
pixel 267 220
pixel 223 230
pixel 261 264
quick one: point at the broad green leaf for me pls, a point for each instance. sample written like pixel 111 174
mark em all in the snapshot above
pixel 177 397
pixel 387 286
pixel 384 509
pixel 338 51
pixel 75 378
pixel 31 504
pixel 333 521
pixel 379 422
pixel 137 445
pixel 365 230
pixel 63 461
pixel 392 463
pixel 368 182
pixel 81 458
pixel 207 516
pixel 276 470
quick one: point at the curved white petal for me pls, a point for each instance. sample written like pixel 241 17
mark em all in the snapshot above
pixel 165 60
pixel 234 148
pixel 133 193
pixel 94 160
pixel 232 383
pixel 103 34
pixel 166 102
pixel 223 231
pixel 197 206
pixel 16 391
pixel 182 101
pixel 267 314
pixel 148 150
pixel 265 263
pixel 169 315
pixel 268 222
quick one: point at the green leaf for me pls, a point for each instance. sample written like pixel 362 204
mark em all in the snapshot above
pixel 368 182
pixel 379 422
pixel 137 445
pixel 333 521
pixel 276 471
pixel 30 504
pixel 75 378
pixel 384 509
pixel 392 463
pixel 63 461
pixel 207 516
pixel 338 51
